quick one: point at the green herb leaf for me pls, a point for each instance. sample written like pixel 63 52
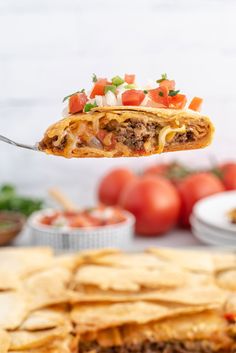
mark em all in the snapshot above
pixel 161 94
pixel 173 93
pixel 94 78
pixel 89 106
pixel 145 91
pixel 130 86
pixel 117 81
pixel 11 201
pixel 110 88
pixel 163 78
pixel 72 94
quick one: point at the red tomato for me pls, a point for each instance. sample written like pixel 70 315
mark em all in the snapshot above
pixel 159 95
pixel 132 97
pixel 154 202
pixel 112 184
pixel 229 175
pixel 129 78
pixel 169 84
pixel 194 188
pixel 196 104
pixel 99 88
pixel 177 102
pixel 159 169
pixel 77 103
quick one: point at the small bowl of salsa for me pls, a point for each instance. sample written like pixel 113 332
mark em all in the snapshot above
pixel 11 224
pixel 87 228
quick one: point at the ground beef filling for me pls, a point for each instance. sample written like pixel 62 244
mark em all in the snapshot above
pixel 50 143
pixel 154 347
pixel 134 133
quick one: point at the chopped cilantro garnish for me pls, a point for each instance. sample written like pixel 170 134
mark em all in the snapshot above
pixel 117 81
pixel 163 78
pixel 110 88
pixel 161 94
pixel 72 94
pixel 89 106
pixel 130 86
pixel 94 78
pixel 173 93
pixel 145 91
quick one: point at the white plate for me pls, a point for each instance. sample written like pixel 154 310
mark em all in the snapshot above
pixel 205 239
pixel 214 232
pixel 212 211
pixel 208 237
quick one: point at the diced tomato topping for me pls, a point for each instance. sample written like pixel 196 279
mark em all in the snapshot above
pixel 159 95
pixel 153 104
pixel 77 103
pixel 99 88
pixel 129 78
pixel 169 84
pixel 177 102
pixel 230 317
pixel 107 138
pixel 133 97
pixel 48 220
pixel 101 134
pixel 196 104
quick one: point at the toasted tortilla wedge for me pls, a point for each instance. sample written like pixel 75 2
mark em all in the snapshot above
pixel 24 261
pixel 127 131
pixel 13 309
pixel 199 295
pixel 23 340
pixel 196 261
pixel 128 279
pixel 4 341
pixel 227 279
pixel 132 260
pixel 205 324
pixel 44 319
pixel 101 316
pixel 48 287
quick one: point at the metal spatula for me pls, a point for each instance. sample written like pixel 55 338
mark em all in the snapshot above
pixel 21 145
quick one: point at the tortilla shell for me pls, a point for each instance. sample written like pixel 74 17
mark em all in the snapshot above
pixel 101 316
pixel 13 309
pixel 4 341
pixel 121 113
pixel 128 279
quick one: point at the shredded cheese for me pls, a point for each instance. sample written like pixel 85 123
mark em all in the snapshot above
pixel 163 135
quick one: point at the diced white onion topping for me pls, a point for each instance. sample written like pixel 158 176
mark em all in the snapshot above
pixel 99 101
pixel 110 98
pixel 145 100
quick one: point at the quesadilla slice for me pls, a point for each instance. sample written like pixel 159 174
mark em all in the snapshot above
pixel 119 120
pixel 151 328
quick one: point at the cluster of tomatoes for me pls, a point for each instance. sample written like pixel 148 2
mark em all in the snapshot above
pixel 164 195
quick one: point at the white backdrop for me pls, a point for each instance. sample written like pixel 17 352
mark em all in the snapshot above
pixel 49 48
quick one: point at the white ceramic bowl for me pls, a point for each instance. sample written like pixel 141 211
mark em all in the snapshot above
pixel 67 239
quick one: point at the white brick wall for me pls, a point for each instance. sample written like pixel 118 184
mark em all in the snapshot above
pixel 49 48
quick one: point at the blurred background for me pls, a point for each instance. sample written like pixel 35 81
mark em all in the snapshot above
pixel 50 48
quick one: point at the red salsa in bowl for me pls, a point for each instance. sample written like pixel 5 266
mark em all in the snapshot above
pixel 86 218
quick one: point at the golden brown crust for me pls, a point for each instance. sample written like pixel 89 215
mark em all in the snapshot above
pixel 165 117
